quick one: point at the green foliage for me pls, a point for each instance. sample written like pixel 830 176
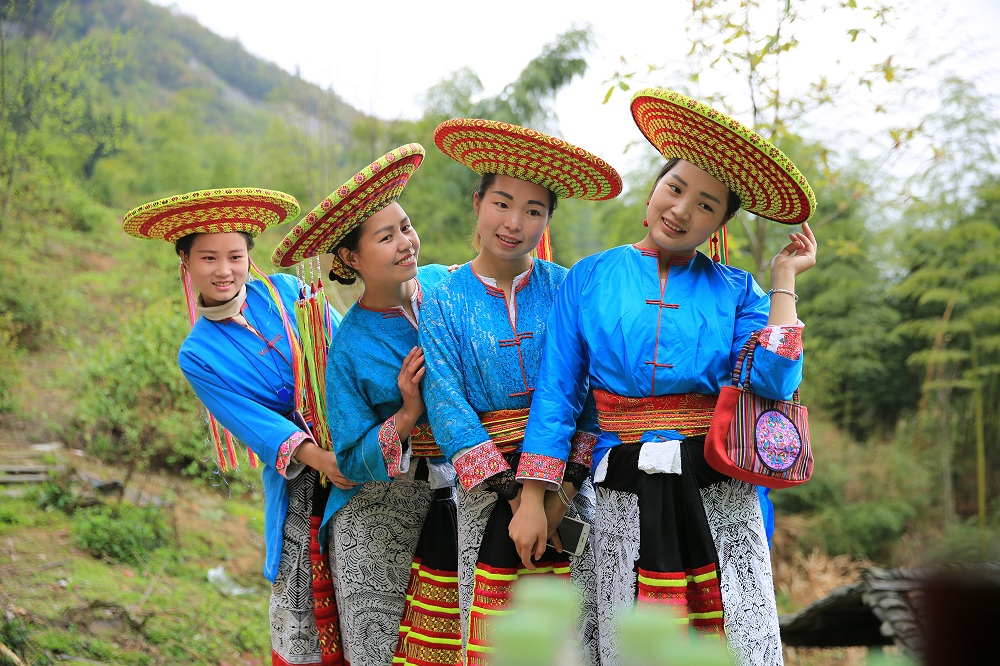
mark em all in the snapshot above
pixel 865 530
pixel 14 635
pixel 539 630
pixel 862 497
pixel 951 329
pixel 965 541
pixel 124 533
pixel 23 313
pixel 9 355
pixel 55 495
pixel 138 407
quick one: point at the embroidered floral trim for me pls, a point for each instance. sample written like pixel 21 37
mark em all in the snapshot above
pixel 287 450
pixel 544 468
pixel 783 340
pixel 582 448
pixel 392 448
pixel 478 464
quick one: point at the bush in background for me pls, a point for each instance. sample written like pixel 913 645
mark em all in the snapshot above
pixel 124 533
pixel 9 355
pixel 138 408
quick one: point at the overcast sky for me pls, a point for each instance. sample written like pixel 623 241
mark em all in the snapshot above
pixel 380 57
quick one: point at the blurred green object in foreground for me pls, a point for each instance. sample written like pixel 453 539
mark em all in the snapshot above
pixel 652 636
pixel 539 632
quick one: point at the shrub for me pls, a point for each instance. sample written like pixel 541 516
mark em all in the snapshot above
pixel 9 355
pixel 14 635
pixel 55 495
pixel 124 533
pixel 138 407
pixel 864 530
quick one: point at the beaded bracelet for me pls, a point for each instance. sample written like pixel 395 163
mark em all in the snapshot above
pixel 784 291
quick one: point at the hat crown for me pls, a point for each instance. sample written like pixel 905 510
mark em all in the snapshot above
pixel 347 207
pixel 491 146
pixel 768 183
pixel 226 210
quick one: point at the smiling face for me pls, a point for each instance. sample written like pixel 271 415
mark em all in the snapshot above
pixel 686 207
pixel 218 265
pixel 511 217
pixel 387 250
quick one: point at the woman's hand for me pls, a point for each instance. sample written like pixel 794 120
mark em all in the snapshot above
pixel 796 257
pixel 323 461
pixel 555 511
pixel 529 527
pixel 332 471
pixel 408 381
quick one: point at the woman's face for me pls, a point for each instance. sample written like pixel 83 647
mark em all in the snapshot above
pixel 512 216
pixel 686 207
pixel 387 248
pixel 219 265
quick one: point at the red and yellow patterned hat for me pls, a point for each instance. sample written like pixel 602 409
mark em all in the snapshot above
pixel 766 181
pixel 488 146
pixel 248 209
pixel 367 192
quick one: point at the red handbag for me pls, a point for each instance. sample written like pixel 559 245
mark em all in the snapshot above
pixel 757 440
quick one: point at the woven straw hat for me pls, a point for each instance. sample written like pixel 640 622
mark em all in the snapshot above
pixel 766 181
pixel 367 192
pixel 488 146
pixel 248 209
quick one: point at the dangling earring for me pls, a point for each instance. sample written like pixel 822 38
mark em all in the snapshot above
pixel 645 223
pixel 714 244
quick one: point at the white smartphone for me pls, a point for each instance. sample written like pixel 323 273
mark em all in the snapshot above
pixel 573 534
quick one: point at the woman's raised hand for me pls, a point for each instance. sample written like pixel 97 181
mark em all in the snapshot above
pixel 796 257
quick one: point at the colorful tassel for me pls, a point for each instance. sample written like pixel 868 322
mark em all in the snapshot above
pixel 544 248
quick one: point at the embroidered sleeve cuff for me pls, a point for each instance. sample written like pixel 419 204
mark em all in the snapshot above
pixel 582 448
pixel 783 340
pixel 397 460
pixel 543 468
pixel 285 464
pixel 479 463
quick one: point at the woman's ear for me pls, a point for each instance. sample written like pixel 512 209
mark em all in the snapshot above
pixel 347 257
pixel 476 202
pixel 184 259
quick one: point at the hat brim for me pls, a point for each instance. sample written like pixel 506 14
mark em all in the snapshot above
pixel 489 146
pixel 364 194
pixel 767 182
pixel 227 210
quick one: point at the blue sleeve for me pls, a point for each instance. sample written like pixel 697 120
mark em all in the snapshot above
pixel 561 392
pixel 262 429
pixel 354 425
pixel 455 423
pixel 587 421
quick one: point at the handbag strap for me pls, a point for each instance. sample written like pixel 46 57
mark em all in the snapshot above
pixel 746 359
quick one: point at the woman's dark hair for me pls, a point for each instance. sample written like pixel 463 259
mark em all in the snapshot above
pixel 184 243
pixel 484 184
pixel 733 202
pixel 350 241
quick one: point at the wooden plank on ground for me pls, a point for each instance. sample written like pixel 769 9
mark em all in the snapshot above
pixel 22 469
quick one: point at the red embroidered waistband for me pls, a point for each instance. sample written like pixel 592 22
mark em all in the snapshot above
pixel 506 428
pixel 690 414
pixel 422 441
